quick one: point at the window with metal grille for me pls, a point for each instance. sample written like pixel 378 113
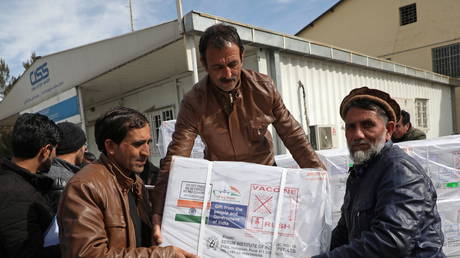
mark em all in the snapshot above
pixel 407 14
pixel 156 117
pixel 421 116
pixel 446 60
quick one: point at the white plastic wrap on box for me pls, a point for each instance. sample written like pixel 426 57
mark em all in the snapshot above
pixel 286 161
pixel 338 183
pixel 418 150
pixel 245 216
pixel 449 211
pixel 165 137
pixel 337 161
pixel 334 160
pixel 441 159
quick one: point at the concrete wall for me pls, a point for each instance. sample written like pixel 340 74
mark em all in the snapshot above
pixel 372 27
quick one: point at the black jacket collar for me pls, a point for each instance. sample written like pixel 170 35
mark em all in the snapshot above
pixel 40 182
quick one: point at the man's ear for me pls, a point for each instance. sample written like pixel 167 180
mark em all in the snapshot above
pixel 110 147
pixel 390 129
pixel 45 152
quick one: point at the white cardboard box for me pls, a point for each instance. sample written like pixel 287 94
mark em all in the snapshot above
pixel 449 211
pixel 245 215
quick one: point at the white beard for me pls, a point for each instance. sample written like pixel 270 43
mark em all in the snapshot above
pixel 361 156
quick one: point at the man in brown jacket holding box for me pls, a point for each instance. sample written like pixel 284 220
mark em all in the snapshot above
pixel 231 109
pixel 103 211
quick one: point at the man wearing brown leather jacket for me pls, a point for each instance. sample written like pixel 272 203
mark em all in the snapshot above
pixel 103 211
pixel 231 109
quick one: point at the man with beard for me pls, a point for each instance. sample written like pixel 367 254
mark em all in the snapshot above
pixel 69 159
pixel 404 131
pixel 231 109
pixel 104 211
pixel 389 207
pixel 25 212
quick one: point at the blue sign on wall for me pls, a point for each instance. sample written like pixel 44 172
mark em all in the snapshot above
pixel 62 110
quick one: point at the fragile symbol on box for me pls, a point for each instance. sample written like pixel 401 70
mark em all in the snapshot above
pixel 262 208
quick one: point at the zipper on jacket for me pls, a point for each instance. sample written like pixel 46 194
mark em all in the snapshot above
pixel 231 97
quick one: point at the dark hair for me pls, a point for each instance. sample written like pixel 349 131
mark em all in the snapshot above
pixel 369 105
pixel 32 132
pixel 217 36
pixel 405 117
pixel 115 124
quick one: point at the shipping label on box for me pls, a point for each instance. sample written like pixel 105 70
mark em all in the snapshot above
pixel 250 210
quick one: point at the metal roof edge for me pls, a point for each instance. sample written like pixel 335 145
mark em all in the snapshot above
pixel 132 60
pixel 196 23
pixel 40 58
pixel 111 38
pixel 46 58
pixel 330 9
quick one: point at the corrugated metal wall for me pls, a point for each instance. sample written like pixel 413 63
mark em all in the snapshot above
pixel 327 83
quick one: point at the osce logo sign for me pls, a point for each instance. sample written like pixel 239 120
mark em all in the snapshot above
pixel 39 76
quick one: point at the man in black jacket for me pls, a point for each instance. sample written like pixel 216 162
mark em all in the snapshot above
pixel 389 208
pixel 25 213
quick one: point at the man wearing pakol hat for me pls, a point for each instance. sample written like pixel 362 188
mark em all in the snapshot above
pixel 389 207
pixel 69 159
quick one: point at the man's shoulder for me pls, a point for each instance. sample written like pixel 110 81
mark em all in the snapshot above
pixel 416 134
pixel 395 160
pixel 259 84
pixel 393 154
pixel 17 189
pixel 198 90
pixel 7 174
pixel 15 178
pixel 255 76
pixel 94 173
pixel 12 182
pixel 57 170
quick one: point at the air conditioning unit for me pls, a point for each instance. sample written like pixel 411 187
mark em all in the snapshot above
pixel 323 137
